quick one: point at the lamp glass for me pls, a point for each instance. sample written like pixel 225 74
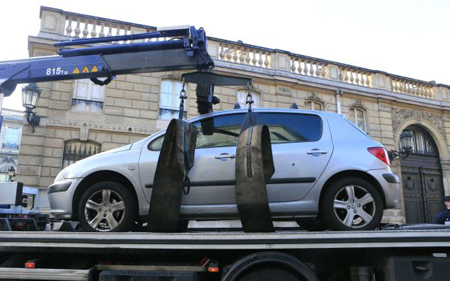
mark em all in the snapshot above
pixel 30 96
pixel 406 138
pixel 11 171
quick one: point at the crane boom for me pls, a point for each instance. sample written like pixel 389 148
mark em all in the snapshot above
pixel 180 49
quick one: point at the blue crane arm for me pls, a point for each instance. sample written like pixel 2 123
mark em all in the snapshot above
pixel 186 49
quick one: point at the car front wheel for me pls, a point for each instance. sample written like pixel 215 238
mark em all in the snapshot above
pixel 352 204
pixel 106 207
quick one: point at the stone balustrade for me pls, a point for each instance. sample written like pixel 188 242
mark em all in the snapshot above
pixel 72 25
pixel 411 87
pixel 76 25
pixel 355 76
pixel 11 114
pixel 240 53
pixel 308 67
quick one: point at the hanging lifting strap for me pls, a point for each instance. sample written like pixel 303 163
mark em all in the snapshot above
pixel 254 168
pixel 171 176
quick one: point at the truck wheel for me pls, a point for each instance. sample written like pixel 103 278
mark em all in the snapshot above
pixel 107 206
pixel 269 274
pixel 352 204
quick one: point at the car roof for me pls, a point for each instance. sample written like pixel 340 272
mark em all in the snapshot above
pixel 267 110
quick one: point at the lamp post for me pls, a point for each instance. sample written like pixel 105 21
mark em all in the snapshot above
pixel 30 97
pixel 11 173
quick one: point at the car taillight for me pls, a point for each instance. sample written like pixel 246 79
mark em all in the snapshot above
pixel 380 153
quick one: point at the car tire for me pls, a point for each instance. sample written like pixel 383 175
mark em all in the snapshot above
pixel 351 204
pixel 269 274
pixel 107 207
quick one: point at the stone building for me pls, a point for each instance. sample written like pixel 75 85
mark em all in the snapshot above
pixel 79 118
pixel 10 135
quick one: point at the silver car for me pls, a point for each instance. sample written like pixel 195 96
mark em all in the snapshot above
pixel 328 173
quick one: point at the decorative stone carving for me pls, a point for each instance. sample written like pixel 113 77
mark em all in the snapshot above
pixel 400 114
pixel 314 97
pixel 357 104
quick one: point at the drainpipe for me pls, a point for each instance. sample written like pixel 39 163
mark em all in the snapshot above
pixel 339 93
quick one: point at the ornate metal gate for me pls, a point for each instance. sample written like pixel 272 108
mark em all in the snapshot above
pixel 423 190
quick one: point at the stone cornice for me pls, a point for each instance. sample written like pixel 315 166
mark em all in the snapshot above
pixel 97 126
pixel 331 85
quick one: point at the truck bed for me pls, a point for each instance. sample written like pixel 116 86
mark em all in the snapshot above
pixel 226 240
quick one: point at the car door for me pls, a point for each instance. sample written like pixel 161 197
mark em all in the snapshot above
pixel 301 147
pixel 213 175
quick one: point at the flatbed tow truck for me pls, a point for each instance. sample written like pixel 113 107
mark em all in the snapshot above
pixel 393 253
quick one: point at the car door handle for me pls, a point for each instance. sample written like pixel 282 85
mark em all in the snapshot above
pixel 317 151
pixel 225 155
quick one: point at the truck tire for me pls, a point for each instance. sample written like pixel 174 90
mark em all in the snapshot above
pixel 107 207
pixel 269 274
pixel 351 204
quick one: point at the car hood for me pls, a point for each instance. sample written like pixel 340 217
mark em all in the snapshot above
pixel 78 169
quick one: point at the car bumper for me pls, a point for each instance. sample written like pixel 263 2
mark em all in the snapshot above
pixel 390 183
pixel 60 197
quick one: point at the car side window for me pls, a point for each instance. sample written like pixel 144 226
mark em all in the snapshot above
pixel 225 133
pixel 289 127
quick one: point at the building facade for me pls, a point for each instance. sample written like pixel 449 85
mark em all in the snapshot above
pixel 79 119
pixel 10 136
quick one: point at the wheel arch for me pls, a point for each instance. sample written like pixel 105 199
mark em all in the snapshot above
pixel 100 176
pixel 352 173
pixel 250 262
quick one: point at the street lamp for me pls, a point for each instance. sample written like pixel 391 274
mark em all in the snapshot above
pixel 11 173
pixel 30 97
pixel 405 146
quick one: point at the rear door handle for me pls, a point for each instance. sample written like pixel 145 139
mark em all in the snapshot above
pixel 225 155
pixel 317 151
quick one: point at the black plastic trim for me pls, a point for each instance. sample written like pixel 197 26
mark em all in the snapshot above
pixel 59 187
pixel 233 182
pixel 19 192
pixel 391 178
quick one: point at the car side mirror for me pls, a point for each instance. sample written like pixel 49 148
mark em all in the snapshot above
pixel 207 126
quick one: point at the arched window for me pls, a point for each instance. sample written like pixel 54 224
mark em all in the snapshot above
pixel 242 99
pixel 76 150
pixel 169 102
pixel 358 117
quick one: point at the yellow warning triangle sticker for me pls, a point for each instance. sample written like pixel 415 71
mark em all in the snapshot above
pixel 94 69
pixel 76 71
pixel 85 70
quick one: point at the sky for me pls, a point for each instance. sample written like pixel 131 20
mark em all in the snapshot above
pixel 404 37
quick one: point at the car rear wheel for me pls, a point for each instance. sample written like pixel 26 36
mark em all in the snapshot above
pixel 352 204
pixel 107 206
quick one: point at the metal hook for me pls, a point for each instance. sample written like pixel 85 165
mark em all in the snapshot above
pixel 182 98
pixel 249 99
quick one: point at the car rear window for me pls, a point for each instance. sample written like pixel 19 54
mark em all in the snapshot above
pixel 292 127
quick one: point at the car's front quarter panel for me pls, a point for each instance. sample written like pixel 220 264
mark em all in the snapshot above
pixel 124 162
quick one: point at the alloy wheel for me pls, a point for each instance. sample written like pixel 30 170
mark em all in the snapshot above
pixel 354 206
pixel 104 210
